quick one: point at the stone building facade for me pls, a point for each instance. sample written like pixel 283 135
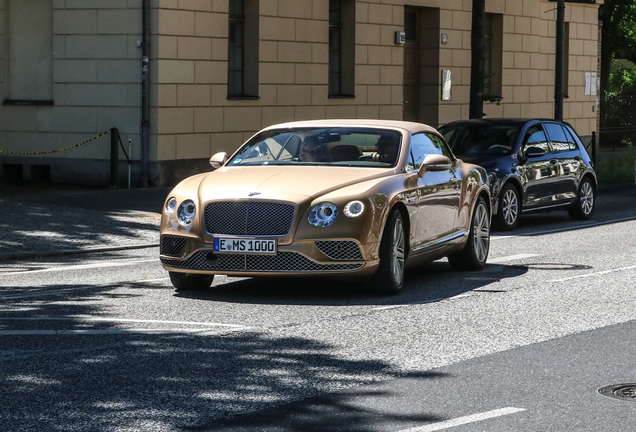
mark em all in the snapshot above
pixel 220 70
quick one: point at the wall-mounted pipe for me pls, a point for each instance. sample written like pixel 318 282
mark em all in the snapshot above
pixel 145 85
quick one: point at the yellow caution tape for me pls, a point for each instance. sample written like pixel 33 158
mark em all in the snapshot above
pixel 58 150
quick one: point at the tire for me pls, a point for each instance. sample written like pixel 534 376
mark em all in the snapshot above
pixel 190 281
pixel 585 201
pixel 389 278
pixel 508 208
pixel 475 252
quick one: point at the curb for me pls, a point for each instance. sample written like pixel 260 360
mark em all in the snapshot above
pixel 28 255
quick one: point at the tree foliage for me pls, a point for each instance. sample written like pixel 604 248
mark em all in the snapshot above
pixel 618 41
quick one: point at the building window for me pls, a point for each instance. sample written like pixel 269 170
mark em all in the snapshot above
pixel 243 42
pixel 29 51
pixel 341 48
pixel 493 55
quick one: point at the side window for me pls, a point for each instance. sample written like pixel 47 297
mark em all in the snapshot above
pixel 557 137
pixel 535 137
pixel 573 138
pixel 441 145
pixel 421 146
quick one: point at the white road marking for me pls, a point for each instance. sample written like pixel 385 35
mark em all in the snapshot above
pixel 572 228
pixel 588 275
pixel 100 319
pixel 465 420
pixel 68 290
pixel 510 258
pixel 81 267
pixel 98 332
pixel 467 294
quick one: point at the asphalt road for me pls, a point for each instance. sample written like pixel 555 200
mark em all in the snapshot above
pixel 102 342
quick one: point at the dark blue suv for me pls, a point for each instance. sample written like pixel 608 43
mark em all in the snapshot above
pixel 532 164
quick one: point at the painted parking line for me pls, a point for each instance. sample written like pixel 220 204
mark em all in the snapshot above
pixel 465 420
pixel 81 267
pixel 102 332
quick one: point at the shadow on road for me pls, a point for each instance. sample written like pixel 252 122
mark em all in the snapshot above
pixel 431 282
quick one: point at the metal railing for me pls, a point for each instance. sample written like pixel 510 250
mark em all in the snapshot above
pixel 618 122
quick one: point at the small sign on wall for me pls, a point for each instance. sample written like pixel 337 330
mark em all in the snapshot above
pixel 400 37
pixel 590 83
pixel 446 84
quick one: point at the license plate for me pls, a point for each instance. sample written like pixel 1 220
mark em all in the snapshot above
pixel 246 246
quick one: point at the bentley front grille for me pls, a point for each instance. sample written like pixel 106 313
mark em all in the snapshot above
pixel 248 218
pixel 346 250
pixel 172 245
pixel 281 262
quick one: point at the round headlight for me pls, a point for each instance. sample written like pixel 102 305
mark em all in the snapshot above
pixel 171 205
pixel 322 215
pixel 353 209
pixel 187 211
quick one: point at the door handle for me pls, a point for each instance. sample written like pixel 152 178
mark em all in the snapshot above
pixel 453 180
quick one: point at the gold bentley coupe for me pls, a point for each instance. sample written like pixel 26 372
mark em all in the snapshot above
pixel 341 198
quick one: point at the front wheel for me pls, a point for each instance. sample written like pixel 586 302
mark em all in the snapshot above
pixel 190 281
pixel 390 275
pixel 584 205
pixel 475 252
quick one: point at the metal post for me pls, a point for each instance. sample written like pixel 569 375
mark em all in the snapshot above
pixel 114 156
pixel 594 148
pixel 559 66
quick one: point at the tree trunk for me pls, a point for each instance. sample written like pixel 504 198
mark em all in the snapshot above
pixel 477 38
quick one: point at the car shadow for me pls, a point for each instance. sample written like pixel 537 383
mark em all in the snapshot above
pixel 430 282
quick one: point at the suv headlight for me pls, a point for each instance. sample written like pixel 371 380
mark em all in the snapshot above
pixel 171 205
pixel 322 215
pixel 353 209
pixel 187 211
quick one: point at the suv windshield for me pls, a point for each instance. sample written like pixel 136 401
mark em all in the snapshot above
pixel 481 141
pixel 340 146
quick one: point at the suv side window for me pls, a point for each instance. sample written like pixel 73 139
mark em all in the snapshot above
pixel 421 146
pixel 558 137
pixel 440 144
pixel 535 137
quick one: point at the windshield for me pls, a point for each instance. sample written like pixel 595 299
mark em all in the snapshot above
pixel 339 146
pixel 481 141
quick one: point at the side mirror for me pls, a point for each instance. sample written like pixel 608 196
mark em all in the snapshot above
pixel 435 162
pixel 218 160
pixel 534 152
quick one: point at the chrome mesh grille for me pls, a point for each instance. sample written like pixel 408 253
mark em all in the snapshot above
pixel 248 218
pixel 172 245
pixel 281 262
pixel 346 250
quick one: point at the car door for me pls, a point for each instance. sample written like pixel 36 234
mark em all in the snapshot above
pixel 538 175
pixel 568 161
pixel 437 193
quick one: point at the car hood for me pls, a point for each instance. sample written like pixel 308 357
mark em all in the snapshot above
pixel 282 183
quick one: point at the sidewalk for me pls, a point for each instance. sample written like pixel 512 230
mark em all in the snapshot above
pixel 61 220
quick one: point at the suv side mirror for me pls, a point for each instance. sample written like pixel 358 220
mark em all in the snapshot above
pixel 435 162
pixel 218 160
pixel 534 152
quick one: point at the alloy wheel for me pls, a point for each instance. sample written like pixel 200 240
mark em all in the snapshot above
pixel 587 198
pixel 481 232
pixel 397 251
pixel 510 207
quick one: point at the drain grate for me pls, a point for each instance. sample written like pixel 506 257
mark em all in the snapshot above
pixel 619 391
